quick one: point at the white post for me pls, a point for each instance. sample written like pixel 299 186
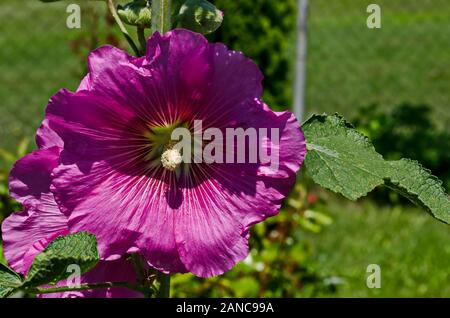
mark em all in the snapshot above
pixel 300 60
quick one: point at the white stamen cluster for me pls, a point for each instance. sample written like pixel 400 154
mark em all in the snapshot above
pixel 171 159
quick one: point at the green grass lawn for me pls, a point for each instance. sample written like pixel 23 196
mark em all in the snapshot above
pixel 36 60
pixel 407 60
pixel 410 246
pixel 349 66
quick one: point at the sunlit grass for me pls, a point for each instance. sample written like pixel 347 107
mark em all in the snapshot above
pixel 408 244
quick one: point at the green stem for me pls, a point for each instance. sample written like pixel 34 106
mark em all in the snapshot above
pixel 39 290
pixel 112 9
pixel 144 278
pixel 139 268
pixel 142 40
pixel 164 288
pixel 161 13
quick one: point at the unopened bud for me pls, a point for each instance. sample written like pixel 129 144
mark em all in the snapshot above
pixel 138 13
pixel 200 16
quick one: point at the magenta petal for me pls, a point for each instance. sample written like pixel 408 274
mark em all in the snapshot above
pixel 42 220
pixel 214 218
pixel 47 138
pixel 125 212
pixel 30 176
pixel 292 144
pixel 85 84
pixel 119 77
pixel 210 239
pixel 92 125
pixel 28 233
pixel 107 184
pixel 200 80
pixel 25 233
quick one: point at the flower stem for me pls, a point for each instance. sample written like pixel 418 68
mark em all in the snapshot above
pixel 142 40
pixel 164 288
pixel 112 9
pixel 39 290
pixel 161 13
pixel 145 281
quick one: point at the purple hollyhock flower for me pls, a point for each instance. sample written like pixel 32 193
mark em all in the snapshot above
pixel 119 178
pixel 27 233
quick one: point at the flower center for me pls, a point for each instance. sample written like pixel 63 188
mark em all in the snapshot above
pixel 171 159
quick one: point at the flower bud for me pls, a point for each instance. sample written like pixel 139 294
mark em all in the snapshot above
pixel 200 16
pixel 136 13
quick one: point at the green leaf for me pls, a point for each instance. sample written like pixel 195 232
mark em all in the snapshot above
pixel 50 266
pixel 343 160
pixel 161 16
pixel 340 158
pixel 2 258
pixel 411 180
pixel 9 281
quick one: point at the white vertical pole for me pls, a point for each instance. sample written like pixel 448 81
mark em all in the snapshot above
pixel 300 60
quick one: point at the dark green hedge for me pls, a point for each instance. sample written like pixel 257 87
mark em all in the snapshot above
pixel 265 31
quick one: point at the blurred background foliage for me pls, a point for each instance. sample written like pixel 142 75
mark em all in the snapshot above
pixel 392 82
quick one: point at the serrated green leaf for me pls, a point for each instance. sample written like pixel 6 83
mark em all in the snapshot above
pixel 340 158
pixel 50 266
pixel 9 281
pixel 343 160
pixel 416 183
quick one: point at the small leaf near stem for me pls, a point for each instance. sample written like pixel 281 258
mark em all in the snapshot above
pixel 112 9
pixel 146 277
pixel 161 16
pixel 343 160
pixel 50 265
